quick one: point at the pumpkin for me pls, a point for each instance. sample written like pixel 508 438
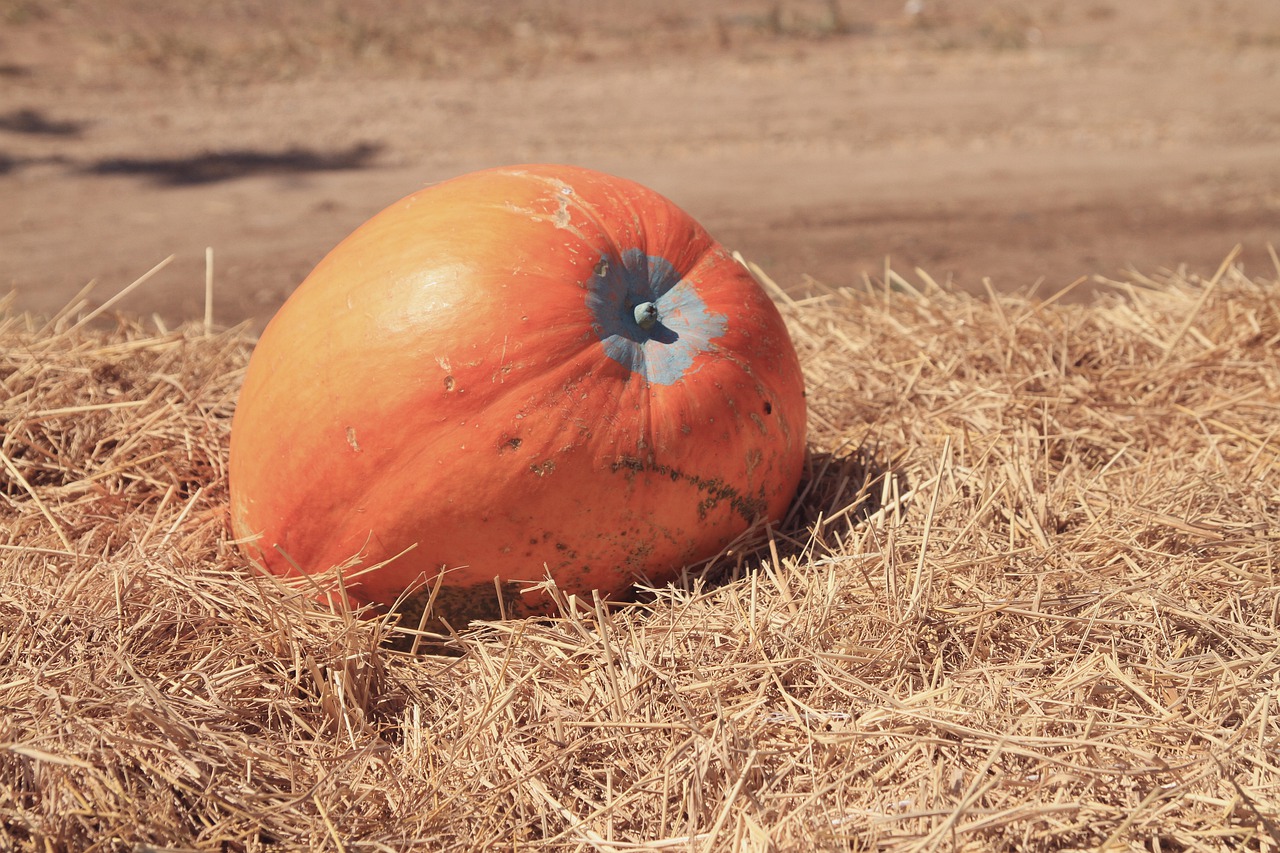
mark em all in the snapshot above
pixel 521 372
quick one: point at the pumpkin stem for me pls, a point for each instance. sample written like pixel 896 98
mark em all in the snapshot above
pixel 646 314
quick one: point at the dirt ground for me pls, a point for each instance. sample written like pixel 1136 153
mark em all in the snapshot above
pixel 1020 141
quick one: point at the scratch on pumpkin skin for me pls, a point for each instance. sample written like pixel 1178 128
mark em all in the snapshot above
pixel 503 368
pixel 351 439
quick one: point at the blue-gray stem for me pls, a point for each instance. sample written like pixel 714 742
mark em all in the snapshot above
pixel 646 314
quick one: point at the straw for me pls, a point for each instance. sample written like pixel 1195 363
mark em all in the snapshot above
pixel 1028 599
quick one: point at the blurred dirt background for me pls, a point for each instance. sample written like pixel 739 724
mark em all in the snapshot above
pixel 1034 141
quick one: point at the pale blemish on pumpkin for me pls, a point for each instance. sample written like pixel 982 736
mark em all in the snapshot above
pixel 563 196
pixel 351 439
pixel 561 217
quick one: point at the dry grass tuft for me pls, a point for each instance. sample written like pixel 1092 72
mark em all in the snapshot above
pixel 1029 600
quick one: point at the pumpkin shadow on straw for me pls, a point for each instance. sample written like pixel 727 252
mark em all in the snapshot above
pixel 838 493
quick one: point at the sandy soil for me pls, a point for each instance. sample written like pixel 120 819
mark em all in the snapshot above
pixel 1021 141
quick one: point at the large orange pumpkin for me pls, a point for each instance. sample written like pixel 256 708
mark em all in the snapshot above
pixel 521 371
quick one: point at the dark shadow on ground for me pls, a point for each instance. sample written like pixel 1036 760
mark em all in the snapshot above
pixel 35 122
pixel 216 166
pixel 839 492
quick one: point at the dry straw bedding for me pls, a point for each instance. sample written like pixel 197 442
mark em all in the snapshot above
pixel 1028 600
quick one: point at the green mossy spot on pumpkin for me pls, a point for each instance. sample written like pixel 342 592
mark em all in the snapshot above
pixel 749 507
